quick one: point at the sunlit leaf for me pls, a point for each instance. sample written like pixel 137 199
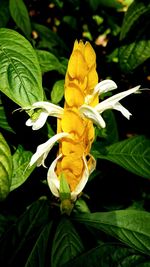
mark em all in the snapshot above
pixel 57 91
pixel 20 73
pixel 20 15
pixel 21 237
pixel 130 226
pixel 66 243
pixel 5 168
pixel 21 170
pixel 39 253
pixel 132 154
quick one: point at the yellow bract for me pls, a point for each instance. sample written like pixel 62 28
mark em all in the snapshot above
pixel 80 80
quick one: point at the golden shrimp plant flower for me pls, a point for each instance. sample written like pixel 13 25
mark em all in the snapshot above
pixel 75 129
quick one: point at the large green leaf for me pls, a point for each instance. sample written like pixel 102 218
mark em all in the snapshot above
pixel 135 36
pixel 39 253
pixel 5 168
pixel 109 255
pixel 20 15
pixel 21 237
pixel 49 62
pixel 20 73
pixel 130 226
pixel 132 154
pixel 21 170
pixel 66 243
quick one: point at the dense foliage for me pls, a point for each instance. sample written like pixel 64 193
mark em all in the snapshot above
pixel 110 221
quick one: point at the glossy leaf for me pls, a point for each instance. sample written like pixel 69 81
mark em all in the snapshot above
pixel 132 154
pixel 39 252
pixel 66 243
pixel 20 15
pixel 20 73
pixel 135 37
pixel 49 62
pixel 57 91
pixel 5 168
pixel 130 226
pixel 109 255
pixel 23 234
pixel 21 170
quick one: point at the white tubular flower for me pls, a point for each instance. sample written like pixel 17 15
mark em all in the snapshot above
pixel 54 182
pixel 112 102
pixel 43 149
pixel 45 109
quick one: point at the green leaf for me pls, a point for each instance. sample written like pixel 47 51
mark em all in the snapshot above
pixel 57 92
pixel 39 252
pixel 132 227
pixel 49 62
pixel 21 237
pixel 135 36
pixel 20 15
pixel 4 12
pixel 21 170
pixel 109 3
pixel 3 119
pixel 132 154
pixel 66 243
pixel 109 255
pixel 5 168
pixel 135 12
pixel 20 73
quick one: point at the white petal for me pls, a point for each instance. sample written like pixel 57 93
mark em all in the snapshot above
pixel 82 182
pixel 123 110
pixel 105 86
pixel 53 110
pixel 29 122
pixel 43 149
pixel 111 101
pixel 92 114
pixel 39 123
pixel 52 179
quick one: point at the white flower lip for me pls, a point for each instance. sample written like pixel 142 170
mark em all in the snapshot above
pixel 48 109
pixel 92 114
pixel 54 182
pixel 104 87
pixel 43 149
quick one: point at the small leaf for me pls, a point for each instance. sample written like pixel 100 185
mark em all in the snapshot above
pixel 21 237
pixel 20 73
pixel 132 154
pixel 49 62
pixel 21 170
pixel 5 168
pixel 39 253
pixel 130 226
pixel 57 91
pixel 20 15
pixel 66 243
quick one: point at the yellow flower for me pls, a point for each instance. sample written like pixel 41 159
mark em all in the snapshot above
pixel 75 130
